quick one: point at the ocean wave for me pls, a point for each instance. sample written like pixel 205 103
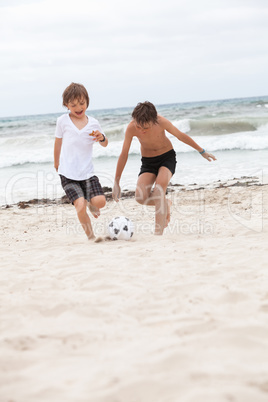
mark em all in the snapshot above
pixel 16 162
pixel 15 151
pixel 30 141
pixel 212 121
pixel 252 140
pixel 223 126
pixel 209 126
pixel 116 132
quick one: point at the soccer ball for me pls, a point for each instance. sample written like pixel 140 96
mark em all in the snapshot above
pixel 120 228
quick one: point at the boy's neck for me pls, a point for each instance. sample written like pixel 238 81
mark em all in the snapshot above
pixel 79 122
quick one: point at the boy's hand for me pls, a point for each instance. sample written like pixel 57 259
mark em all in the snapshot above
pixel 97 136
pixel 209 156
pixel 116 194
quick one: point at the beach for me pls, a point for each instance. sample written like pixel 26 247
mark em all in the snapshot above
pixel 175 318
pixel 104 95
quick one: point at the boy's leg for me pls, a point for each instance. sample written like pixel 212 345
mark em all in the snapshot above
pixel 144 187
pixel 95 196
pixel 157 198
pixel 162 205
pixel 95 204
pixel 81 209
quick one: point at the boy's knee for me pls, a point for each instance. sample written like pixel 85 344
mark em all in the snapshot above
pixel 102 202
pixel 159 191
pixel 140 197
pixel 98 201
pixel 139 200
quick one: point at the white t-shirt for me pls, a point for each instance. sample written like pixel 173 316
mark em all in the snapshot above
pixel 76 150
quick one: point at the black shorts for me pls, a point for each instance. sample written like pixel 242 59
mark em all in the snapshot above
pixel 88 188
pixel 153 164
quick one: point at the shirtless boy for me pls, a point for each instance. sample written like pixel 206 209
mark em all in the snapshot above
pixel 158 160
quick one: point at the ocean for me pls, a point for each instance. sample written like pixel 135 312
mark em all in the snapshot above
pixel 234 130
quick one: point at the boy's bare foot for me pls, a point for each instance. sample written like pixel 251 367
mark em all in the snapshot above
pixel 94 210
pixel 98 239
pixel 169 203
pixel 95 239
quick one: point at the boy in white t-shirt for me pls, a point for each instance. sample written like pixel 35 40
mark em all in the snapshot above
pixel 76 133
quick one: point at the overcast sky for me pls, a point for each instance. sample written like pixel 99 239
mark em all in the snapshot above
pixel 164 51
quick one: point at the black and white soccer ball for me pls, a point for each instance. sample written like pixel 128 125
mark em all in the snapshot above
pixel 120 228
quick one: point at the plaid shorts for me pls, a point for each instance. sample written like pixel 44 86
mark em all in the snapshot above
pixel 88 188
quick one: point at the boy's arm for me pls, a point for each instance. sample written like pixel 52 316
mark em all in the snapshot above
pixel 168 126
pixel 57 149
pixel 121 163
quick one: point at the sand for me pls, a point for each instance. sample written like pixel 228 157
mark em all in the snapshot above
pixel 177 318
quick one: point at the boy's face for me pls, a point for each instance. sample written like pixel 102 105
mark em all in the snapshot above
pixel 143 128
pixel 77 107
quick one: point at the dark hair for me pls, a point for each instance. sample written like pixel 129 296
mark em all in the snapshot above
pixel 145 113
pixel 74 91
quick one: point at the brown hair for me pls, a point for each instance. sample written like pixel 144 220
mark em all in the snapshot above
pixel 74 91
pixel 145 113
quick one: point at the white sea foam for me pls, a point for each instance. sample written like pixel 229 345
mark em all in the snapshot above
pixel 183 125
pixel 20 151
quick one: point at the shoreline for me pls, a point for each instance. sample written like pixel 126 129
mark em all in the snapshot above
pixel 244 181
